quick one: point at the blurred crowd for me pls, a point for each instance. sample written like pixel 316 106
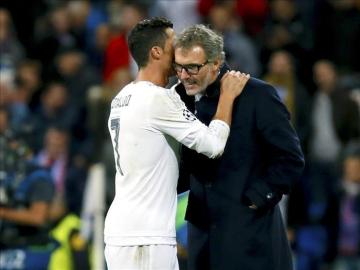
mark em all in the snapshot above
pixel 61 63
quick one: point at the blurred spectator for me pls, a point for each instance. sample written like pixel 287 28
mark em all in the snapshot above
pixel 252 12
pixel 99 100
pixel 85 16
pixel 334 122
pixel 54 35
pixel 117 55
pixel 5 91
pixel 285 29
pixel 97 54
pixel 15 97
pixel 176 11
pixel 78 77
pixel 68 170
pixel 349 216
pixel 11 50
pixel 26 193
pixel 75 182
pixel 31 212
pixel 54 156
pixel 11 53
pixel 287 26
pixel 21 115
pixel 337 33
pixel 55 110
pixel 241 53
pixel 25 15
pixel 282 74
pixel 28 75
pixel 114 8
pixel 4 120
pixel 335 116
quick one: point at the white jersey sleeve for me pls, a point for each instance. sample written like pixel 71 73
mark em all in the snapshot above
pixel 171 117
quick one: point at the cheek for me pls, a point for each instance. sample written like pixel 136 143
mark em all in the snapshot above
pixel 205 81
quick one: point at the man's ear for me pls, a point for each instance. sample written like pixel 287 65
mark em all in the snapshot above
pixel 156 52
pixel 217 64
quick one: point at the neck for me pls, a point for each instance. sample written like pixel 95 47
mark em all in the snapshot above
pixel 214 77
pixel 153 74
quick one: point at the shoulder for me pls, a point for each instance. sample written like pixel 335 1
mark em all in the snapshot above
pixel 169 97
pixel 161 101
pixel 38 175
pixel 259 86
pixel 121 92
pixel 264 98
pixel 257 90
pixel 149 89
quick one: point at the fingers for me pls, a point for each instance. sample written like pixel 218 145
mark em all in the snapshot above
pixel 233 82
pixel 235 77
pixel 238 74
pixel 243 77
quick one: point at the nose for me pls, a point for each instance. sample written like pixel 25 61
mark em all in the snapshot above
pixel 183 74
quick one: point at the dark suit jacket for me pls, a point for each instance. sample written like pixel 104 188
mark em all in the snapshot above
pixel 261 161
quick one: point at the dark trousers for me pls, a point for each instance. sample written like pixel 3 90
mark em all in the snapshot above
pixel 198 248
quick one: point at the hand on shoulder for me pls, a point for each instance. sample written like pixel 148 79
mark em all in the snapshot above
pixel 233 83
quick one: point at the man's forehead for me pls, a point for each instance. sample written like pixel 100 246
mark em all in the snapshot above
pixel 193 53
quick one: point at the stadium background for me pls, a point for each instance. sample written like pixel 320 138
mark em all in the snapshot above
pixel 61 62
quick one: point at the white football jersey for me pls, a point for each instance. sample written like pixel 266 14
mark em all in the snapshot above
pixel 146 124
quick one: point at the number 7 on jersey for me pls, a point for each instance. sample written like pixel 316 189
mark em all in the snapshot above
pixel 115 126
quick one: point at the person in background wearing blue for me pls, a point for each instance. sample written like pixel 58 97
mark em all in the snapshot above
pixel 26 192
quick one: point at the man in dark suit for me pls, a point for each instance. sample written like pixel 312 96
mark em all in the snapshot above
pixel 233 214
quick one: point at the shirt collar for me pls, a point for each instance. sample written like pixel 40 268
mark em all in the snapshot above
pixel 213 90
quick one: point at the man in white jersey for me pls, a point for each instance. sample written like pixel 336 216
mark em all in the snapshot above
pixel 147 122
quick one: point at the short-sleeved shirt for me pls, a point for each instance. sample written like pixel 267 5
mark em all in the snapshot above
pixel 36 187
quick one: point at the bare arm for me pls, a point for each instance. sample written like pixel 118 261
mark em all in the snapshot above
pixel 36 215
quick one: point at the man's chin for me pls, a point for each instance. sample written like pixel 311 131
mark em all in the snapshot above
pixel 191 91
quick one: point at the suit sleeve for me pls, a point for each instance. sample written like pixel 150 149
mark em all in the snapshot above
pixel 286 162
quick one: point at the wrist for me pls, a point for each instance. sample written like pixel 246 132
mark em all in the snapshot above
pixel 226 96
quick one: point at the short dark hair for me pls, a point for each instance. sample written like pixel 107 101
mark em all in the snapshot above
pixel 145 35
